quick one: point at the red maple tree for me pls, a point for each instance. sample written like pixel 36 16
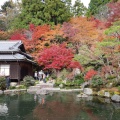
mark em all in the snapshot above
pixel 90 74
pixel 57 57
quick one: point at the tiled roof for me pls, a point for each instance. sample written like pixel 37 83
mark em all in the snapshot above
pixel 8 46
pixel 15 57
pixel 13 51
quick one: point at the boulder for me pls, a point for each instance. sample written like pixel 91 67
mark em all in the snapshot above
pixel 88 91
pixel 42 92
pixel 107 94
pixel 1 92
pixel 115 98
pixel 61 85
pixel 13 83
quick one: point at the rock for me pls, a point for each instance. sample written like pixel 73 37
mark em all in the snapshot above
pixel 33 89
pixel 88 91
pixel 45 85
pixel 65 90
pixel 52 89
pixel 13 83
pixel 1 92
pixel 13 92
pixel 42 92
pixel 76 71
pixel 61 85
pixel 107 94
pixel 116 98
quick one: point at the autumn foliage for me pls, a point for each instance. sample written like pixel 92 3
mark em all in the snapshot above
pixel 90 74
pixel 57 57
pixel 4 35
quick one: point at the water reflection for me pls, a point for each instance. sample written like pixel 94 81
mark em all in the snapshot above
pixel 3 109
pixel 57 106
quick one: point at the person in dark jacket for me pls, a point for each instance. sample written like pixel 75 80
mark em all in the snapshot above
pixel 8 82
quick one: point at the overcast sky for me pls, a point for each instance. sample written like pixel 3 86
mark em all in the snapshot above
pixel 85 2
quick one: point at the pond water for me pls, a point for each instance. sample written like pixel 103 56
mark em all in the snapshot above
pixel 57 106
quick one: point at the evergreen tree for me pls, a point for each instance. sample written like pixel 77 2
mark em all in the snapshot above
pixel 41 12
pixel 94 6
pixel 6 5
pixel 78 8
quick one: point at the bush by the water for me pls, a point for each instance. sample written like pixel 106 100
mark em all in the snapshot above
pixel 28 81
pixel 2 83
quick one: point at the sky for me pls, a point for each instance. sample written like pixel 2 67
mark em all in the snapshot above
pixel 85 2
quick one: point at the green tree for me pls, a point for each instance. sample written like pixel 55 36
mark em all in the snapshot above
pixel 43 12
pixel 94 6
pixel 78 8
pixel 114 30
pixel 7 4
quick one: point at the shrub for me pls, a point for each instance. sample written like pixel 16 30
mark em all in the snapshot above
pixel 2 83
pixel 97 81
pixel 21 87
pixel 90 74
pixel 78 79
pixel 12 87
pixel 28 81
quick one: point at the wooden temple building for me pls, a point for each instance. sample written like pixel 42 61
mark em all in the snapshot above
pixel 14 61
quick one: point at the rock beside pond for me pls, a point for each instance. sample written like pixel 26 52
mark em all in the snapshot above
pixel 13 83
pixel 1 92
pixel 45 85
pixel 102 93
pixel 42 92
pixel 107 94
pixel 88 91
pixel 115 98
pixel 61 85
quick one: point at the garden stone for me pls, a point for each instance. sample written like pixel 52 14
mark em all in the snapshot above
pixel 13 83
pixel 107 94
pixel 76 71
pixel 66 90
pixel 33 89
pixel 115 98
pixel 45 85
pixel 1 92
pixel 61 85
pixel 42 92
pixel 88 91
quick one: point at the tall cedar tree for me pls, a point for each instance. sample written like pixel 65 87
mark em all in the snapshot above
pixel 40 12
pixel 94 6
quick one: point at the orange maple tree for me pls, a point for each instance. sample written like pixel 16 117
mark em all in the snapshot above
pixel 55 35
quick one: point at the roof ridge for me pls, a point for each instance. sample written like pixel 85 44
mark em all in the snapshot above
pixel 15 45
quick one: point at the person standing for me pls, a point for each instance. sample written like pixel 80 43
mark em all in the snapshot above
pixel 8 82
pixel 44 77
pixel 36 75
pixel 40 75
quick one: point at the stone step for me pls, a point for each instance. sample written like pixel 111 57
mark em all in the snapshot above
pixel 45 85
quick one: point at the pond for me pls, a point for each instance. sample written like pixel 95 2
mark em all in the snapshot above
pixel 57 106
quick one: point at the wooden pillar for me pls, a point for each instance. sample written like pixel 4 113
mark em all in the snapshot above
pixel 19 72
